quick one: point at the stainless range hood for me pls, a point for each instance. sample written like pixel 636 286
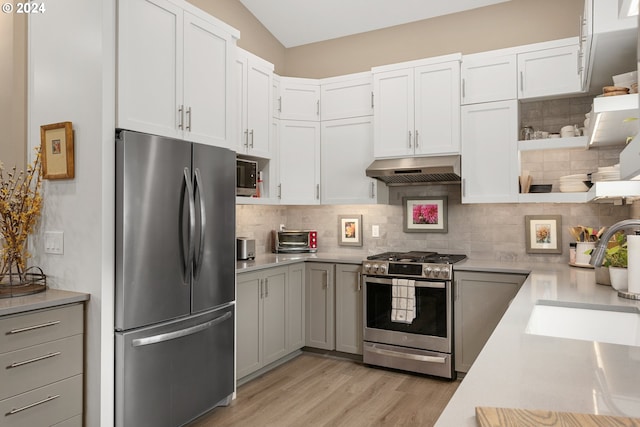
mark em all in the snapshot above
pixel 416 170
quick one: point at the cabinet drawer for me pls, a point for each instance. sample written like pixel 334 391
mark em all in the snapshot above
pixel 36 366
pixel 71 422
pixel 44 406
pixel 25 330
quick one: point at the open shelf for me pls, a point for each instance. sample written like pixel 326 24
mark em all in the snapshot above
pixel 553 143
pixel 609 123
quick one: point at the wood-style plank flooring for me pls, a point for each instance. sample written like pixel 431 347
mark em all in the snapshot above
pixel 321 390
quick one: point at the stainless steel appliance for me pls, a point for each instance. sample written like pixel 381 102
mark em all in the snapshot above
pixel 175 279
pixel 246 248
pixel 425 344
pixel 294 241
pixel 246 177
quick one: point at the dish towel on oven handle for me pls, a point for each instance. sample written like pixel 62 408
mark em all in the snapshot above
pixel 403 300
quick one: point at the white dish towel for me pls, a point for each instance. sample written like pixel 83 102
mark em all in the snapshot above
pixel 403 300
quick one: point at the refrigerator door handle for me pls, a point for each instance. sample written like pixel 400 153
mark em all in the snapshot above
pixel 181 333
pixel 192 223
pixel 203 223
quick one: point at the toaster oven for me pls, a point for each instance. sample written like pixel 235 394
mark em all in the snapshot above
pixel 295 241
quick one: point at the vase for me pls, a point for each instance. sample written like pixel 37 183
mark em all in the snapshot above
pixel 619 278
pixel 18 280
pixel 583 252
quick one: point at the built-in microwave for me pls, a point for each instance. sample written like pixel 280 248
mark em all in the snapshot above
pixel 246 177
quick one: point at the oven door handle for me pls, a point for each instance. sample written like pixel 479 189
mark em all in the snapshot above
pixel 416 357
pixel 418 283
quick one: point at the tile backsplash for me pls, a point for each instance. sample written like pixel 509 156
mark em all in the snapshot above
pixel 481 231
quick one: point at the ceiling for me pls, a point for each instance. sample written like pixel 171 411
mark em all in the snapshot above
pixel 299 22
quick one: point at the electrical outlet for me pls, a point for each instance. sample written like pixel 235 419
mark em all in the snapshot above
pixel 54 242
pixel 375 231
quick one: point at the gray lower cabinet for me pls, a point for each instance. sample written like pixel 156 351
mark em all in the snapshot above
pixel 481 299
pixel 42 355
pixel 269 306
pixel 349 308
pixel 334 307
pixel 320 309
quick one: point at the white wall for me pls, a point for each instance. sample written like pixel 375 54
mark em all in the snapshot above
pixel 72 78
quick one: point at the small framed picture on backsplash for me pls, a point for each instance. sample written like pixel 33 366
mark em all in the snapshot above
pixel 350 230
pixel 543 234
pixel 425 214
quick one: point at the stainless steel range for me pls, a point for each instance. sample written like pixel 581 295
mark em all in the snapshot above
pixel 408 311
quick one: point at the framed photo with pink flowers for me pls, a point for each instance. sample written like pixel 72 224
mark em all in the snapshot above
pixel 425 214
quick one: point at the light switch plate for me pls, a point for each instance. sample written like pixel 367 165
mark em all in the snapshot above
pixel 375 231
pixel 54 242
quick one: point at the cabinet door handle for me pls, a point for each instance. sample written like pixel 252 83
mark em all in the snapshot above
pixel 417 143
pixel 317 191
pixel 251 133
pixel 35 359
pixel 521 81
pixel 181 117
pixel 260 283
pixel 189 119
pixel 463 187
pixel 279 191
pixel 373 189
pixel 318 108
pixel 359 281
pixel 246 138
pixel 24 408
pixel 464 92
pixel 409 139
pixel 371 100
pixel 31 328
pixel 266 288
pixel 279 104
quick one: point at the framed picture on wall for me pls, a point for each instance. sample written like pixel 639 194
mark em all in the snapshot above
pixel 350 230
pixel 425 214
pixel 56 147
pixel 543 234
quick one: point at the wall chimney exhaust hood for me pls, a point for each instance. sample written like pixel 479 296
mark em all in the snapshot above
pixel 416 170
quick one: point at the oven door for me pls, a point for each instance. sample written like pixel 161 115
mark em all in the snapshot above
pixel 430 330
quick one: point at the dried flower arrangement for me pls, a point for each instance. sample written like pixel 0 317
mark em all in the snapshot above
pixel 20 207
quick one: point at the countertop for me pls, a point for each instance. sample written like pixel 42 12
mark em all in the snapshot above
pixel 46 299
pixel 520 370
pixel 269 260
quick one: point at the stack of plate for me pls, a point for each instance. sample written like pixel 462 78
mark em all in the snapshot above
pixel 607 173
pixel 574 183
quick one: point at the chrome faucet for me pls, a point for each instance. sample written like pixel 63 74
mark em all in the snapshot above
pixel 598 253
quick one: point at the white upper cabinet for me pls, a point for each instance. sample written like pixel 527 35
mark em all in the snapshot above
pixel 299 99
pixel 490 152
pixel 254 92
pixel 276 99
pixel 346 96
pixel 299 162
pixel 487 78
pixel 549 72
pixel 346 151
pixel 417 108
pixel 174 71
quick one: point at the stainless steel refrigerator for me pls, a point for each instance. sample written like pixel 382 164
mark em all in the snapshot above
pixel 175 279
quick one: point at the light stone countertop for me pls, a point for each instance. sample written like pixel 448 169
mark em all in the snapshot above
pixel 520 370
pixel 47 299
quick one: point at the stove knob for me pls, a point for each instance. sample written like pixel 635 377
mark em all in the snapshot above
pixel 374 268
pixel 444 273
pixel 366 267
pixel 436 272
pixel 428 271
pixel 382 269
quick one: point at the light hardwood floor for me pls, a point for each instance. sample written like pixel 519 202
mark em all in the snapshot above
pixel 320 390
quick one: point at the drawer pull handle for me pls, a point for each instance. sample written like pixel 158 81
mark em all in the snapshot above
pixel 35 359
pixel 31 328
pixel 24 408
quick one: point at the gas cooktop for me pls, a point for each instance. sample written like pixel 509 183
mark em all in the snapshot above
pixel 418 256
pixel 415 264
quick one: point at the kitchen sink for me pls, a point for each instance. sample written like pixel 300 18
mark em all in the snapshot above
pixel 589 322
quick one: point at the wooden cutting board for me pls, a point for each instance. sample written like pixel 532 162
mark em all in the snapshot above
pixel 509 417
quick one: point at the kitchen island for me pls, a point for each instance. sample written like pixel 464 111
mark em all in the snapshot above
pixel 520 370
